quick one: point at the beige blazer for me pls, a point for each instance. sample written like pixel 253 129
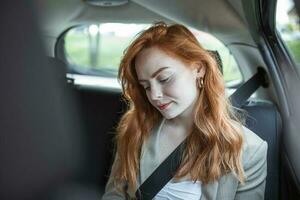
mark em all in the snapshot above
pixel 226 188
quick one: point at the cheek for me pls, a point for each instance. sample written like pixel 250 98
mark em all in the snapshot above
pixel 184 90
pixel 183 86
pixel 172 91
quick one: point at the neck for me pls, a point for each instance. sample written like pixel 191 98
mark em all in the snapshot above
pixel 184 120
pixel 180 123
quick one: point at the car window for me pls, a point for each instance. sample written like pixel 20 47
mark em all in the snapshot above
pixel 96 50
pixel 288 27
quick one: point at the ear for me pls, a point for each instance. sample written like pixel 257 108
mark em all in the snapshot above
pixel 200 70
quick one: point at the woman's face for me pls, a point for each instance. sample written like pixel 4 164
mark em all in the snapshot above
pixel 170 85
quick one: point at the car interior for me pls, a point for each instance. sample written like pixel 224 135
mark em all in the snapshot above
pixel 60 107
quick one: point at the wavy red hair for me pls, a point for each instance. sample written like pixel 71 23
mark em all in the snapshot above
pixel 215 143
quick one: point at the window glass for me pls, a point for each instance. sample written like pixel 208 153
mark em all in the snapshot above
pixel 288 26
pixel 97 49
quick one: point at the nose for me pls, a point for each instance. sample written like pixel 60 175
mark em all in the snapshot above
pixel 156 93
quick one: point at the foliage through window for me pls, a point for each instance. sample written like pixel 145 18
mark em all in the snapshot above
pixel 288 26
pixel 98 48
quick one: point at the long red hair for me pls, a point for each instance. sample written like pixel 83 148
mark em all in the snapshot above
pixel 214 145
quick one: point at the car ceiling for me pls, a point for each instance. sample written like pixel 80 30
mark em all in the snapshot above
pixel 222 18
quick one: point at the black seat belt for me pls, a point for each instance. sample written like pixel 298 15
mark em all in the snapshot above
pixel 240 96
pixel 167 169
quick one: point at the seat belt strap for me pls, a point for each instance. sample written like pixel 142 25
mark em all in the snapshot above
pixel 161 175
pixel 240 96
pixel 168 168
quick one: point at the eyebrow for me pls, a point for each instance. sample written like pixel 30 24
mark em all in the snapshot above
pixel 155 73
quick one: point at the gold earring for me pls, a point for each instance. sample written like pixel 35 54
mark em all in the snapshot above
pixel 200 82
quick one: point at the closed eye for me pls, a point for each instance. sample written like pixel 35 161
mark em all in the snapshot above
pixel 161 81
pixel 164 80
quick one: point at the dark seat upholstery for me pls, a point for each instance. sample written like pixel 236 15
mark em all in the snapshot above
pixel 41 143
pixel 83 184
pixel 264 119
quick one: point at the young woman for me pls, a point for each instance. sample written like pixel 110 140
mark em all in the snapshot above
pixel 175 91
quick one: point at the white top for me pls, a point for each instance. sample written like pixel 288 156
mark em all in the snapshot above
pixel 156 153
pixel 180 191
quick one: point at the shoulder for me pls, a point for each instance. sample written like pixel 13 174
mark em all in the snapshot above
pixel 254 160
pixel 254 148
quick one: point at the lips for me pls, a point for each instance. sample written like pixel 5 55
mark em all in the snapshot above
pixel 163 106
